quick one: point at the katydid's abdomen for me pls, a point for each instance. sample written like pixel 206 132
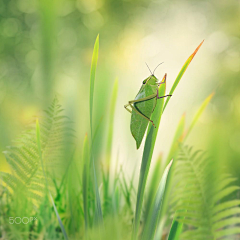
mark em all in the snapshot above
pixel 139 124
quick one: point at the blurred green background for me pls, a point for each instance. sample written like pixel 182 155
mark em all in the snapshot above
pixel 46 48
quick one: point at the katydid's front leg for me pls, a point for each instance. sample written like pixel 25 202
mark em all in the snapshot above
pixel 162 96
pixel 130 103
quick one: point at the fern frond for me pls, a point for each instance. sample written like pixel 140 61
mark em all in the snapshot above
pixel 27 176
pixel 201 198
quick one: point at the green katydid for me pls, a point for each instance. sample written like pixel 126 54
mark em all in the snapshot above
pixel 143 106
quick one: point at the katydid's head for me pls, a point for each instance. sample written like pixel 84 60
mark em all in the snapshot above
pixel 152 79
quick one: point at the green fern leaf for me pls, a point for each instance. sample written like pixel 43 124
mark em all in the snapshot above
pixel 201 198
pixel 27 176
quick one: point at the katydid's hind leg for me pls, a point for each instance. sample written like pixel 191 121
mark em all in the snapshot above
pixel 140 100
pixel 140 114
pixel 125 106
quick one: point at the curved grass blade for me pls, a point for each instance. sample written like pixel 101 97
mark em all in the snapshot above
pixel 147 156
pixel 150 227
pixel 180 136
pixel 180 74
pixel 92 78
pixel 40 155
pixel 98 211
pixel 198 114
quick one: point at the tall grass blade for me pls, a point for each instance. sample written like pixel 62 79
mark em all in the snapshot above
pixel 98 217
pixel 153 185
pixel 40 155
pixel 92 79
pixel 151 225
pixel 109 144
pixel 47 13
pixel 97 130
pixel 180 74
pixel 111 119
pixel 150 142
pixel 85 180
pixel 147 156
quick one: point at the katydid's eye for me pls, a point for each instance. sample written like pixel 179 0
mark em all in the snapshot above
pixel 144 81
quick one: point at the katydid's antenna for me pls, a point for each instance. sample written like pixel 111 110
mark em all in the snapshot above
pixel 149 69
pixel 157 67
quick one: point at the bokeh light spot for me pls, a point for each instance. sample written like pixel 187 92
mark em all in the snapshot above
pixel 93 21
pixel 31 59
pixel 27 6
pixel 67 38
pixel 88 6
pixel 218 42
pixel 10 27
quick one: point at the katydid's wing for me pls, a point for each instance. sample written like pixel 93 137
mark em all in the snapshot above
pixel 139 124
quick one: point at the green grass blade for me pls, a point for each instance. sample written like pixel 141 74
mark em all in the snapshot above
pixel 98 211
pixel 58 217
pixel 155 179
pixel 92 79
pixel 198 114
pixel 180 136
pixel 98 216
pixel 180 74
pixel 160 230
pixel 97 130
pixel 176 139
pixel 40 155
pixel 175 231
pixel 146 158
pixel 111 119
pixel 85 180
pixel 109 145
pixel 151 225
pixel 48 15
pixel 173 152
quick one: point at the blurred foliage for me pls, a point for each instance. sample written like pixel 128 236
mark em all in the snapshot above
pixel 45 51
